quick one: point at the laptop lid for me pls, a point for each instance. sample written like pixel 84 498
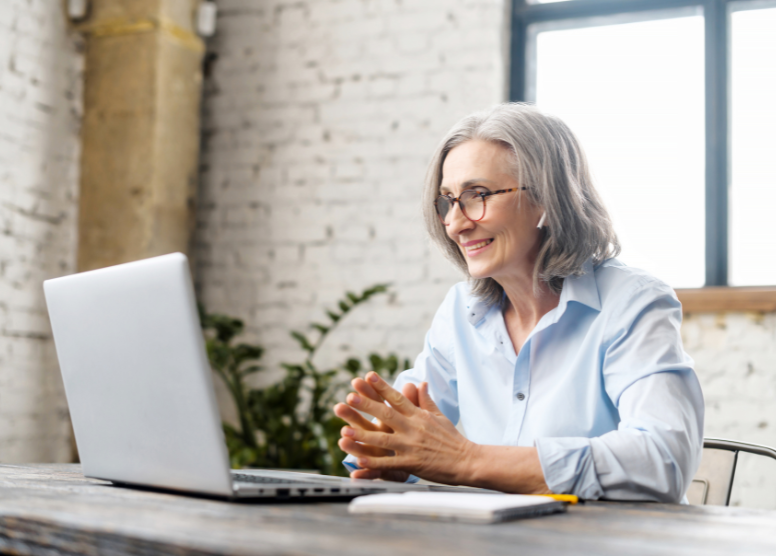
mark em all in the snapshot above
pixel 136 376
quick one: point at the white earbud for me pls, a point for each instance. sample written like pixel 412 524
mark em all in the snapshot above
pixel 541 220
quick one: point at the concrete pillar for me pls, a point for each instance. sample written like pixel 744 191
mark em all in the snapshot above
pixel 140 134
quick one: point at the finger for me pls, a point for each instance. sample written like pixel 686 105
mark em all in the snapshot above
pixel 410 392
pixel 349 446
pixel 382 440
pixel 425 400
pixel 385 413
pixel 397 476
pixel 366 474
pixel 354 418
pixel 396 399
pixel 395 463
pixel 360 386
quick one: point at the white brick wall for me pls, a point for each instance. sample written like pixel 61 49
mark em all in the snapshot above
pixel 40 106
pixel 735 356
pixel 320 116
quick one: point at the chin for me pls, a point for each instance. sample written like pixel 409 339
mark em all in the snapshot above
pixel 479 273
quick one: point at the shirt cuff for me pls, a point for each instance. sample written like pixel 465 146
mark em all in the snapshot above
pixel 568 466
pixel 350 464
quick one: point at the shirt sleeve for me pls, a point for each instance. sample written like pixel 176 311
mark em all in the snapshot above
pixel 434 365
pixel 656 449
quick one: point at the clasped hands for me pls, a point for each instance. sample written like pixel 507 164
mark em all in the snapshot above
pixel 411 435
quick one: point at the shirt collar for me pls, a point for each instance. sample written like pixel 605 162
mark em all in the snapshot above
pixel 582 289
pixel 477 311
pixel 489 323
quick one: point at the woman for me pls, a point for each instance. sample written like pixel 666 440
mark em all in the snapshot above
pixel 565 366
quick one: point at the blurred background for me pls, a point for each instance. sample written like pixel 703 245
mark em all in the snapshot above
pixel 282 145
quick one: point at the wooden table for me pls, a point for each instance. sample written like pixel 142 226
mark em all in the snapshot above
pixel 53 509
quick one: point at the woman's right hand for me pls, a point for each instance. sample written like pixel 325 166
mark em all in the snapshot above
pixel 357 421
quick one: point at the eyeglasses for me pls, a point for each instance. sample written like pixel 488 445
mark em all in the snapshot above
pixel 471 202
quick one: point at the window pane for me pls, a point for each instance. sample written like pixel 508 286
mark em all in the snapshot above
pixel 634 94
pixel 753 146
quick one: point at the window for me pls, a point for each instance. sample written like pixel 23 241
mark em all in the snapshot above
pixel 753 144
pixel 672 102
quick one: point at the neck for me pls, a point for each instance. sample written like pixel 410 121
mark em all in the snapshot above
pixel 526 305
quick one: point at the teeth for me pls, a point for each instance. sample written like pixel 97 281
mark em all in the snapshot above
pixel 478 245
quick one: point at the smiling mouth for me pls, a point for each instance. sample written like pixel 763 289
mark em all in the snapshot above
pixel 479 245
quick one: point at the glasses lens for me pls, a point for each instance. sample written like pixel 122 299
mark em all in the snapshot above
pixel 473 204
pixel 443 207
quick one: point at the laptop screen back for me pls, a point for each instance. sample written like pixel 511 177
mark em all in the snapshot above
pixel 136 376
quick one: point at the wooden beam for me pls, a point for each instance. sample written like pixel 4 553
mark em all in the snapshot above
pixel 728 299
pixel 140 134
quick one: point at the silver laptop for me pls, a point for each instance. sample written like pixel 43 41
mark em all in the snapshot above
pixel 140 388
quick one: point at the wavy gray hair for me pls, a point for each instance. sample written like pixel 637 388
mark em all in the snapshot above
pixel 550 162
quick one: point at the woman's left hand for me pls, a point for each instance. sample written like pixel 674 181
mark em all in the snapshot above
pixel 424 442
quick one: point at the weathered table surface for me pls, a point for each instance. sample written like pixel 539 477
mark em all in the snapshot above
pixel 52 509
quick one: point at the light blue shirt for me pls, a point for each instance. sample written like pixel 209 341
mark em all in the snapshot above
pixel 601 387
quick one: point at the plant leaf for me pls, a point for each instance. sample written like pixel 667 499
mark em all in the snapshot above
pixel 333 316
pixel 374 290
pixel 246 352
pixel 225 327
pixel 377 362
pixel 391 363
pixel 250 370
pixel 320 328
pixel 353 366
pixel 303 341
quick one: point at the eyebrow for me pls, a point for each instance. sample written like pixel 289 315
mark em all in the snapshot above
pixel 468 184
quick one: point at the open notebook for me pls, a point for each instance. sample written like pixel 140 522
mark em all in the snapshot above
pixel 446 506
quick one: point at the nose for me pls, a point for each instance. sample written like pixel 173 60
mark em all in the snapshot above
pixel 458 223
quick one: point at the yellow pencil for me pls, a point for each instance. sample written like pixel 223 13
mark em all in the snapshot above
pixel 570 498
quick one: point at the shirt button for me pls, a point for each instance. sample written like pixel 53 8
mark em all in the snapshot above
pixel 520 396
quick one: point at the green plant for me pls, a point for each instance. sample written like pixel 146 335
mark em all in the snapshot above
pixel 289 424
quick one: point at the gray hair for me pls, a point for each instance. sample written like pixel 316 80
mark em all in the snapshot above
pixel 550 162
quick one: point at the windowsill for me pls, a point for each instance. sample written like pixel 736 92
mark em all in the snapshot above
pixel 733 299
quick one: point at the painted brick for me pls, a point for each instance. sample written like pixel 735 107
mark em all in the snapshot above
pixel 735 356
pixel 40 107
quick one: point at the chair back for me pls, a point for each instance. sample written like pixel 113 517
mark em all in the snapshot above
pixel 713 482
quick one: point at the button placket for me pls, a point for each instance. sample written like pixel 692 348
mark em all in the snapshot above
pixel 520 387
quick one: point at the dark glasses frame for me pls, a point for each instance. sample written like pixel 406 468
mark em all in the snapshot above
pixel 483 194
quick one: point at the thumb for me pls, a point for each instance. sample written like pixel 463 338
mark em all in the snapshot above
pixel 425 400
